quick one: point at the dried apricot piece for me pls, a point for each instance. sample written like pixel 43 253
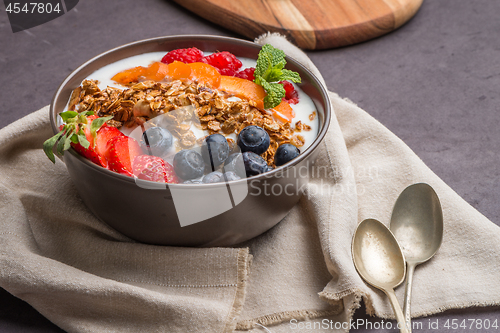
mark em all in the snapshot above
pixel 179 71
pixel 205 73
pixel 283 112
pixel 129 75
pixel 156 71
pixel 243 88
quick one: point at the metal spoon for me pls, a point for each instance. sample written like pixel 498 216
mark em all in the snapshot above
pixel 380 262
pixel 417 223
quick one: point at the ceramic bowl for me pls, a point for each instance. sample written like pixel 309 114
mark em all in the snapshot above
pixel 221 214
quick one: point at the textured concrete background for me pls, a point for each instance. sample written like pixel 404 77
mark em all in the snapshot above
pixel 434 83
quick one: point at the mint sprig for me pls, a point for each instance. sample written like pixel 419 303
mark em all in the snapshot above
pixel 269 71
pixel 73 131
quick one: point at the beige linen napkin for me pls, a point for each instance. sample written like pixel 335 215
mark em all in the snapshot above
pixel 86 277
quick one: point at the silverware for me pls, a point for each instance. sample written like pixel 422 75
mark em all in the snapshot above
pixel 417 224
pixel 380 261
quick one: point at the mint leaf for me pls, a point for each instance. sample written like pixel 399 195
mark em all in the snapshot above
pixel 290 76
pixel 270 62
pixel 275 92
pixel 49 144
pixel 269 71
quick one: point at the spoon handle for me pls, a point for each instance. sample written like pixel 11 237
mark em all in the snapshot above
pixel 407 301
pixel 397 311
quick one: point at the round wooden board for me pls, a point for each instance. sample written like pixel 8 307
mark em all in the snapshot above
pixel 310 24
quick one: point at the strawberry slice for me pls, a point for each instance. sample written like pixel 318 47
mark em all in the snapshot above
pixel 96 152
pixel 155 169
pixel 90 154
pixel 120 152
pixel 105 134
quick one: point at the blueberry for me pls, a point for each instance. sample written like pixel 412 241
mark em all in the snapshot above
pixel 285 153
pixel 188 164
pixel 157 141
pixel 253 138
pixel 234 163
pixel 230 175
pixel 213 177
pixel 215 150
pixel 254 164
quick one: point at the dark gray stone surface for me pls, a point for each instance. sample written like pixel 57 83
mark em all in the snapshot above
pixel 434 82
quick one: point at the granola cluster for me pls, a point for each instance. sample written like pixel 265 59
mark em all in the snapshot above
pixel 183 105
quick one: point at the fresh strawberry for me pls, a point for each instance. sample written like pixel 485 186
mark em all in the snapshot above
pixel 121 151
pixel 223 60
pixel 291 95
pixel 96 152
pixel 246 73
pixel 90 152
pixel 183 55
pixel 105 134
pixel 155 169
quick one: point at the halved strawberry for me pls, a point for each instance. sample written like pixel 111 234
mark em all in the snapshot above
pixel 90 152
pixel 155 169
pixel 120 152
pixel 104 134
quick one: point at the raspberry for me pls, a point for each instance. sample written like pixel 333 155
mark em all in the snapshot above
pixel 227 71
pixel 222 60
pixel 183 55
pixel 247 73
pixel 291 95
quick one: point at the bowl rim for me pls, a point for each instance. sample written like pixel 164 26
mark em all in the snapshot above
pixel 270 174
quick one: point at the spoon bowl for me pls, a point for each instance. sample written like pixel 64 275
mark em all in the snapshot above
pixel 380 261
pixel 417 224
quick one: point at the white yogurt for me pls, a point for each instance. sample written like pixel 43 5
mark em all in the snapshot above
pixel 303 109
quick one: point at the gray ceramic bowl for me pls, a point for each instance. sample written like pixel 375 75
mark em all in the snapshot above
pixel 254 205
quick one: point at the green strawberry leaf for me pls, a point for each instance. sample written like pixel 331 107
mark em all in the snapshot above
pixel 49 144
pixel 82 139
pixel 67 115
pixel 74 138
pixel 67 142
pixel 97 123
pixel 62 142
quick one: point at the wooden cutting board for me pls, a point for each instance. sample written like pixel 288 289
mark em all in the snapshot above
pixel 310 24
